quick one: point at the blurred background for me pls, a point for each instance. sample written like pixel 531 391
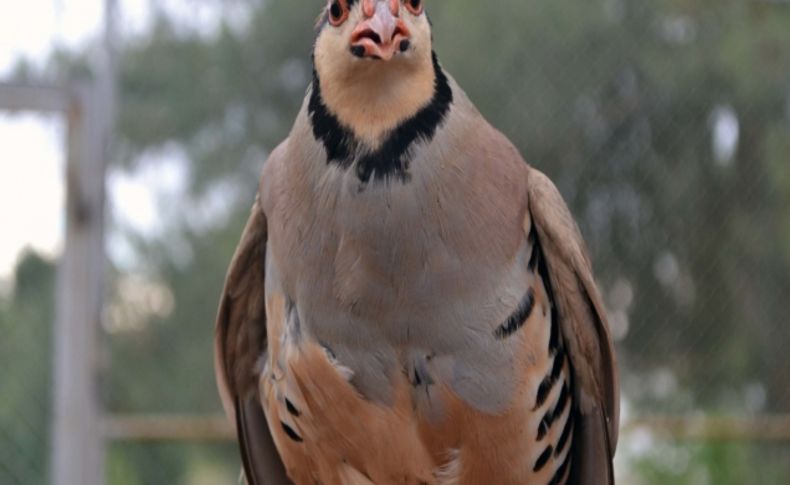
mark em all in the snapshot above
pixel 132 133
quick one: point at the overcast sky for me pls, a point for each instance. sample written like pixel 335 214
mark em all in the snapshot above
pixel 31 146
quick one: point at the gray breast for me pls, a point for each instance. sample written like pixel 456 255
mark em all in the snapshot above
pixel 390 280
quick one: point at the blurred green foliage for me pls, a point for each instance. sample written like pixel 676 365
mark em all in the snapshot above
pixel 713 463
pixel 618 101
pixel 25 359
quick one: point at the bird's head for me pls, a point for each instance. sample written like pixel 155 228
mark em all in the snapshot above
pixel 374 30
pixel 374 62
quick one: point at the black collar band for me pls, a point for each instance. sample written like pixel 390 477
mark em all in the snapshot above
pixel 391 160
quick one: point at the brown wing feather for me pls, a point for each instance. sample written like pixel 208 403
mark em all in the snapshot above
pixel 239 343
pixel 585 332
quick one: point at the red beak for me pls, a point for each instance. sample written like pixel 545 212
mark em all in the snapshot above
pixel 382 33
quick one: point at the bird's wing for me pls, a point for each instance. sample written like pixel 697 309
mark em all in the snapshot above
pixel 239 344
pixel 584 329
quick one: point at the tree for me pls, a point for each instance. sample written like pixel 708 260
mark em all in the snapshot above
pixel 26 359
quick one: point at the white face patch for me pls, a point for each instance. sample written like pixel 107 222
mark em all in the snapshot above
pixel 369 96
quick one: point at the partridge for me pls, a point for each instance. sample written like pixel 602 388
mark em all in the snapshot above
pixel 410 302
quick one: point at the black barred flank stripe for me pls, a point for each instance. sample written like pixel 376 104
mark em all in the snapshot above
pixel 543 391
pixel 291 433
pixel 562 402
pixel 547 384
pixel 392 158
pixel 543 428
pixel 540 261
pixel 518 318
pixel 554 339
pixel 546 421
pixel 559 407
pixel 537 261
pixel 291 408
pixel 543 459
pixel 559 360
pixel 561 471
pixel 566 433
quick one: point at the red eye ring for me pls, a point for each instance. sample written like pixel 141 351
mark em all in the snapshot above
pixel 337 12
pixel 415 6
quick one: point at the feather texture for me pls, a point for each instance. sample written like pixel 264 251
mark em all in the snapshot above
pixel 240 341
pixel 585 331
pixel 438 327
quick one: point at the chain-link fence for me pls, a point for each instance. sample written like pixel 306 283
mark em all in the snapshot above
pixel 665 124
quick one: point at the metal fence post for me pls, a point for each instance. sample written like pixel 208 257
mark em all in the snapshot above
pixel 78 454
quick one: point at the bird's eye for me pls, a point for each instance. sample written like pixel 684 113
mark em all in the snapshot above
pixel 338 12
pixel 414 6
